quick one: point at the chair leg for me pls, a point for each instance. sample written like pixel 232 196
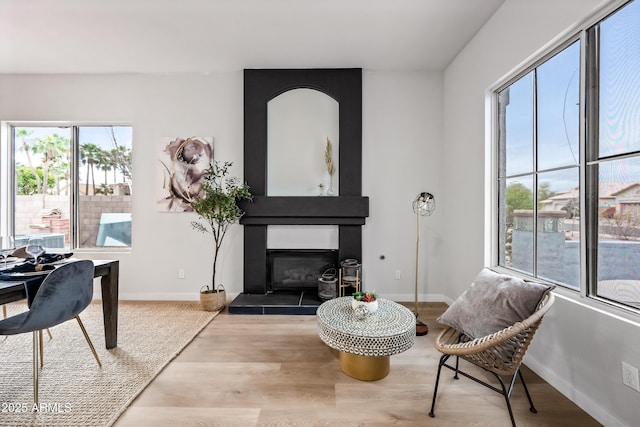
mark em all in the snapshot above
pixel 505 394
pixel 49 333
pixel 41 348
pixel 86 336
pixel 443 359
pixel 4 313
pixel 35 367
pixel 526 390
pixel 456 377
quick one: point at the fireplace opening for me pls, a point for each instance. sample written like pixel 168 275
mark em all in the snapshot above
pixel 298 269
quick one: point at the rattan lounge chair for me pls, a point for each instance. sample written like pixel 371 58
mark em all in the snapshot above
pixel 500 353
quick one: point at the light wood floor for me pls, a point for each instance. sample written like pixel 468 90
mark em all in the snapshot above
pixel 272 370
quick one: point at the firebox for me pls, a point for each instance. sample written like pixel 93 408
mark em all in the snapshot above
pixel 298 269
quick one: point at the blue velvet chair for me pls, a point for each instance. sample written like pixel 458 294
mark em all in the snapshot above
pixel 63 294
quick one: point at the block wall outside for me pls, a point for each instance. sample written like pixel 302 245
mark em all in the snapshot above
pixel 28 217
pixel 560 259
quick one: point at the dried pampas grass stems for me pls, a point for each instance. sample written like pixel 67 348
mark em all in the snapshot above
pixel 328 157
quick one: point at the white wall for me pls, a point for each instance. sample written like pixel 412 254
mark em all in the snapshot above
pixel 157 106
pixel 578 349
pixel 402 151
pixel 402 126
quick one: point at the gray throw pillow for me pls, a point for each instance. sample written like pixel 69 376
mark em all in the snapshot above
pixel 493 302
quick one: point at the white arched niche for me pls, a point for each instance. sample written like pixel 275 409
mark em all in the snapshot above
pixel 299 122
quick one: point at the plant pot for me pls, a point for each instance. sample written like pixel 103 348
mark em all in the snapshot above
pixel 372 306
pixel 213 299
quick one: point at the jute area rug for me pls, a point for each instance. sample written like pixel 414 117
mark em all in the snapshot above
pixel 74 390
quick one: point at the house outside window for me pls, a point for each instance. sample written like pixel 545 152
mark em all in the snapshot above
pixel 568 163
pixel 70 185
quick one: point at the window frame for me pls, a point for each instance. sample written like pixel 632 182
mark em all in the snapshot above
pixel 586 32
pixel 7 177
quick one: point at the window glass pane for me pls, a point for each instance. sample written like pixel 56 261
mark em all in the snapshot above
pixel 619 231
pixel 620 82
pixel 105 183
pixel 42 185
pixel 612 168
pixel 558 237
pixel 558 90
pixel 516 127
pixel 518 225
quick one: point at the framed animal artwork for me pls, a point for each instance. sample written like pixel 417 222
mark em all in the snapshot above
pixel 183 163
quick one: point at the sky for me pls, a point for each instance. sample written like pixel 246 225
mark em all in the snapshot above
pixel 620 70
pixel 558 83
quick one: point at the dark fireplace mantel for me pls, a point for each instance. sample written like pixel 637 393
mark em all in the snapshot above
pixel 348 210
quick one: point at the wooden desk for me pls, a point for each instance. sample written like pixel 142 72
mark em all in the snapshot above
pixel 108 271
pixel 12 291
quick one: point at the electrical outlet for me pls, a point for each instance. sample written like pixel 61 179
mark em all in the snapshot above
pixel 181 273
pixel 398 274
pixel 630 376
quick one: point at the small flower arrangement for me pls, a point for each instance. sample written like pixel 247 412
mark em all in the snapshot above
pixel 365 296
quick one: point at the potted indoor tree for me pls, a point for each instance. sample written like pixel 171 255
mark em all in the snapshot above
pixel 218 209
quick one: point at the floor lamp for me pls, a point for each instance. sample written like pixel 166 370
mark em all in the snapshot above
pixel 423 205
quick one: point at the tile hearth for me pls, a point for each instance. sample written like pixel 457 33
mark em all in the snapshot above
pixel 293 302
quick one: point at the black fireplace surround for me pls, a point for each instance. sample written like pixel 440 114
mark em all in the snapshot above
pixel 348 210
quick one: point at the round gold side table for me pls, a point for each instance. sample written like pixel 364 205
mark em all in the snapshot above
pixel 366 344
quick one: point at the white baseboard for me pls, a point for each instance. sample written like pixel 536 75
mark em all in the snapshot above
pixel 421 298
pixel 584 402
pixel 155 296
pixel 190 296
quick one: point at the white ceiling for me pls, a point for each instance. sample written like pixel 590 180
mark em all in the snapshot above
pixel 200 36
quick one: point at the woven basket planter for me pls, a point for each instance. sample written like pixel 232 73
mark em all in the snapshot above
pixel 213 299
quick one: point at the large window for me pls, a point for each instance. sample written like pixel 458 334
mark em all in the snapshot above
pixel 70 185
pixel 568 163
